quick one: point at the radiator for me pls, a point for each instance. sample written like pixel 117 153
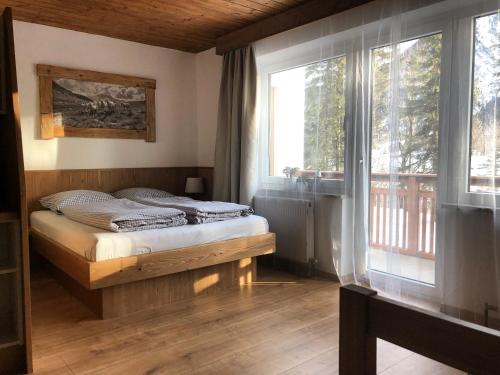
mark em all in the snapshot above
pixel 293 222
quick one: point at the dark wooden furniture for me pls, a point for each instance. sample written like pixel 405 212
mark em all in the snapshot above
pixel 15 318
pixel 365 316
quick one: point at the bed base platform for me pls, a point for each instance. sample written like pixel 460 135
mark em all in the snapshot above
pixel 118 287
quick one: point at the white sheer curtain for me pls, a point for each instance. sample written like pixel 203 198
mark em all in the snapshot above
pixel 391 109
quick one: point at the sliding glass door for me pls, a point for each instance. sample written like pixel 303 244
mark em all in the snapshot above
pixel 404 116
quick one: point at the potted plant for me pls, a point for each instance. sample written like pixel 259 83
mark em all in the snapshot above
pixel 291 175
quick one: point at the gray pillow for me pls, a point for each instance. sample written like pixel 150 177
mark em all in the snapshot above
pixel 55 202
pixel 139 192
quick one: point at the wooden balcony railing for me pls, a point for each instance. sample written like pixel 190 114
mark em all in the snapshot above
pixel 403 209
pixel 403 213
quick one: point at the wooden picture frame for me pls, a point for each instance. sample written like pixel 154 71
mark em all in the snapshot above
pixel 50 128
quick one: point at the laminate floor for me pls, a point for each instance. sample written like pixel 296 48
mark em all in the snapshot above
pixel 279 325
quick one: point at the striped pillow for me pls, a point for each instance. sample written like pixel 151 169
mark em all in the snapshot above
pixel 56 202
pixel 139 192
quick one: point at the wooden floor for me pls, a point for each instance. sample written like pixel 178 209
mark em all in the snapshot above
pixel 279 325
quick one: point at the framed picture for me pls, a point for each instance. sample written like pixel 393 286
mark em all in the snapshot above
pixel 83 103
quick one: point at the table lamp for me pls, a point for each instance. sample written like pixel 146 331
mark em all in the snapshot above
pixel 194 185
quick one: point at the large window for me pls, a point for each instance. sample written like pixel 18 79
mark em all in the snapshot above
pixel 405 88
pixel 307 109
pixel 485 116
pixel 420 91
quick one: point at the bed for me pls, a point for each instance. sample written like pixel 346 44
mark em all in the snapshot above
pixel 97 245
pixel 116 274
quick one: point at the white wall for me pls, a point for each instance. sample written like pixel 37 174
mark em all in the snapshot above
pixel 471 260
pixel 328 233
pixel 208 76
pixel 176 107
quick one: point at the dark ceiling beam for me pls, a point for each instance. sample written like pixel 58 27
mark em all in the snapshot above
pixel 295 17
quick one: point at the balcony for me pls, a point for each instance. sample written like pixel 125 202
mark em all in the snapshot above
pixel 402 211
pixel 407 224
pixel 403 214
pixel 403 223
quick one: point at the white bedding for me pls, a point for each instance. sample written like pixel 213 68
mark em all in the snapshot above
pixel 96 244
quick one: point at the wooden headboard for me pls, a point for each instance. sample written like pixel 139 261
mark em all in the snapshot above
pixel 171 179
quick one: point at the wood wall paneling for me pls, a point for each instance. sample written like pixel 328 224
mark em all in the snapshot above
pixel 40 183
pixel 207 173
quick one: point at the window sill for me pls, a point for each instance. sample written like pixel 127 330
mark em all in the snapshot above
pixel 468 206
pixel 298 195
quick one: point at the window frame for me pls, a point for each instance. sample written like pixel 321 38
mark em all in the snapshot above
pixel 415 30
pixel 479 199
pixel 455 126
pixel 455 165
pixel 331 47
pixel 455 23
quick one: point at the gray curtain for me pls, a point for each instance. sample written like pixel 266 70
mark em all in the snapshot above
pixel 235 175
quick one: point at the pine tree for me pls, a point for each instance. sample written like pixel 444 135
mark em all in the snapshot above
pixel 486 93
pixel 419 106
pixel 405 123
pixel 413 128
pixel 324 115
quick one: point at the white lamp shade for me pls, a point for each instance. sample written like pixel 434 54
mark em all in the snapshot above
pixel 194 185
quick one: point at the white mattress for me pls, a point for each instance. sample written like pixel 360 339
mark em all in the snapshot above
pixel 96 244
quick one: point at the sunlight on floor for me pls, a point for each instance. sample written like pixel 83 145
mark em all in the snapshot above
pixel 274 282
pixel 406 266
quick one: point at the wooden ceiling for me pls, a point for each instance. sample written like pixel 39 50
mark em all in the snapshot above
pixel 187 25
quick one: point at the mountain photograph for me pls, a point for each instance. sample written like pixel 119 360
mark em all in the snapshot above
pixel 86 104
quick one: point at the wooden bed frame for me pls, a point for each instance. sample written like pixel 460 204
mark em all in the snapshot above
pixel 121 286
